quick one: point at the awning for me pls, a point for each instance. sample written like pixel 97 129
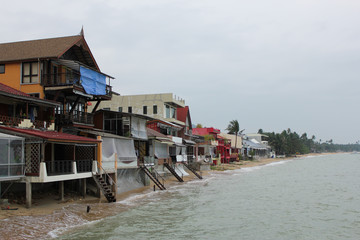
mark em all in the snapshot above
pixel 124 148
pixel 138 128
pixel 12 137
pixel 189 142
pixel 168 142
pixel 52 136
pixel 161 150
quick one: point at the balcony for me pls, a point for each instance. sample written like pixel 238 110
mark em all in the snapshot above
pixel 68 79
pixel 25 123
pixel 76 117
pixel 60 167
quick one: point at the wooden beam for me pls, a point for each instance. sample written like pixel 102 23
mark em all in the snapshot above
pixel 74 105
pixel 96 106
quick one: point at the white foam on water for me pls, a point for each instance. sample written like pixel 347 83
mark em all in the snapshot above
pixel 59 231
pixel 134 199
pixel 251 169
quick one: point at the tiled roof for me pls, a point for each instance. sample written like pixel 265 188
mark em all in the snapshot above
pixel 16 93
pixel 35 49
pixel 13 91
pixel 204 131
pixel 51 135
pixel 153 133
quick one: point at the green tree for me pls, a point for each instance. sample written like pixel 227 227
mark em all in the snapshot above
pixel 234 128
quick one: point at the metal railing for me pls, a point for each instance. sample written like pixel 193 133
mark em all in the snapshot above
pixel 107 177
pixel 148 161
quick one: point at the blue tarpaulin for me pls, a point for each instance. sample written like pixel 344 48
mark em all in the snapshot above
pixel 93 82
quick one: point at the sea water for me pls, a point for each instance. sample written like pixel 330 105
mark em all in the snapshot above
pixel 303 198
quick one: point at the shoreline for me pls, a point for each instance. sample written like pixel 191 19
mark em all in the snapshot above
pixel 49 203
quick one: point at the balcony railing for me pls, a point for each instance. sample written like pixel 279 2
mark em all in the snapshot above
pixel 76 117
pixel 67 79
pixel 11 121
pixel 60 167
pixel 62 79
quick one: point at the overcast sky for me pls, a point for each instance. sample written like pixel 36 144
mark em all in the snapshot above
pixel 270 64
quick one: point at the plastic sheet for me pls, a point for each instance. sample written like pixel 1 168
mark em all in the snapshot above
pixel 94 83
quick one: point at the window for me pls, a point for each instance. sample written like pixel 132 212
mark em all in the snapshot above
pixel 120 109
pixel 30 72
pixel 129 109
pixel 2 68
pixel 107 109
pixel 155 109
pixel 167 111
pixel 144 109
pixel 173 112
pixel 37 95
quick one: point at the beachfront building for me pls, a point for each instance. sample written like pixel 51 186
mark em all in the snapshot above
pixel 14 112
pixel 35 153
pixel 60 69
pixel 54 81
pixel 161 106
pixel 223 145
pixel 236 145
pixel 164 109
pixel 128 146
pixel 254 146
pixel 183 115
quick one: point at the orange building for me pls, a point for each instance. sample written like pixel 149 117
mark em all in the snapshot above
pixel 60 69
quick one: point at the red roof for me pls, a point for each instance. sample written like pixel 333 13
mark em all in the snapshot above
pixel 52 135
pixel 182 114
pixel 12 91
pixel 204 131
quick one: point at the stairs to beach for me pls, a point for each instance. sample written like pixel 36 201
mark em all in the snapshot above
pixel 105 187
pixel 153 178
pixel 192 170
pixel 173 172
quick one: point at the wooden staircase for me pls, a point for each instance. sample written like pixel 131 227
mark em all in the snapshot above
pixel 106 188
pixel 192 170
pixel 152 177
pixel 173 172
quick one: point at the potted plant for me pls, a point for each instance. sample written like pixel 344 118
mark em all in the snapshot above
pixel 52 119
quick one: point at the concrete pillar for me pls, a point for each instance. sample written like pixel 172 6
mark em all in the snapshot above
pixel 83 187
pixel 61 190
pixel 28 194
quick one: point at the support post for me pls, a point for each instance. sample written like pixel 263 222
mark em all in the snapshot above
pixel 99 153
pixel 28 194
pixel 83 187
pixel 61 190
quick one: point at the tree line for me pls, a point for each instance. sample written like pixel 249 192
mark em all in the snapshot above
pixel 290 143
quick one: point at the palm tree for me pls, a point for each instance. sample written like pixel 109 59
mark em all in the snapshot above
pixel 234 128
